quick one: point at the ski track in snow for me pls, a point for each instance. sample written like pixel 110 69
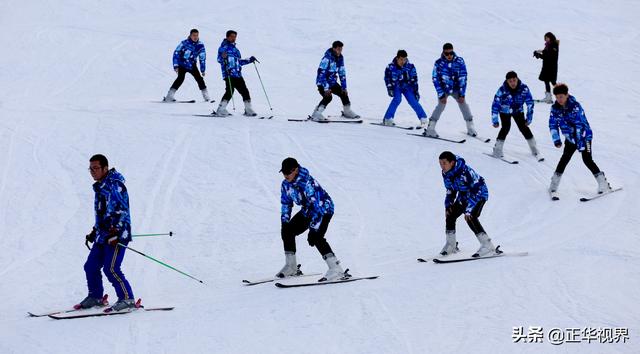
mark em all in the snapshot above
pixel 80 79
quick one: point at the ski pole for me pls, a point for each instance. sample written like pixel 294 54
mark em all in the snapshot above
pixel 164 264
pixel 150 235
pixel 263 90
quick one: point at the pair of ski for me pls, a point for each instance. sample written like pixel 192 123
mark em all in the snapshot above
pixel 511 162
pixel 213 115
pixel 499 253
pixel 555 196
pixel 424 134
pixel 98 311
pixel 346 279
pixel 329 120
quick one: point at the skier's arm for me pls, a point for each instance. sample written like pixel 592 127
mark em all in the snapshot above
pixel 117 211
pixel 495 108
pixel 435 77
pixel 203 60
pixel 413 79
pixel 321 79
pixel 554 128
pixel 342 74
pixel 462 77
pixel 528 100
pixel 176 56
pixel 581 128
pixel 221 59
pixel 314 206
pixel 287 205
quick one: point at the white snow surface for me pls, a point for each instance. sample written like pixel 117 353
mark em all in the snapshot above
pixel 78 78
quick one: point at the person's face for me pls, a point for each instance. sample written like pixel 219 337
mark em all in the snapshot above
pixel 401 61
pixel 448 53
pixel 562 98
pixel 232 37
pixel 97 172
pixel 547 39
pixel 512 82
pixel 194 36
pixel 338 51
pixel 290 175
pixel 446 165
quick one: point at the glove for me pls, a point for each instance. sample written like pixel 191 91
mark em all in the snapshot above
pixel 311 238
pixel 252 59
pixel 202 73
pixel 390 91
pixel 90 238
pixel 557 143
pixel 113 236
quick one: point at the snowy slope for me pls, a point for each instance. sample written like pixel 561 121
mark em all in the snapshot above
pixel 77 78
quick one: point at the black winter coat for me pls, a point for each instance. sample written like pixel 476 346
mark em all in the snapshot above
pixel 549 58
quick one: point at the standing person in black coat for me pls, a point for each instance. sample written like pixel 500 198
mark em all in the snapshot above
pixel 549 72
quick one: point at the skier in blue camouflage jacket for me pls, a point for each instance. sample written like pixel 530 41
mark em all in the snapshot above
pixel 401 78
pixel 184 61
pixel 231 64
pixel 567 116
pixel 112 228
pixel 450 79
pixel 508 103
pixel 298 187
pixel 466 194
pixel 331 69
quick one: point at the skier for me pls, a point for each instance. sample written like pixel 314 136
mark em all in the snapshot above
pixel 316 211
pixel 466 194
pixel 330 69
pixel 401 78
pixel 184 61
pixel 567 116
pixel 507 103
pixel 450 79
pixel 231 63
pixel 549 56
pixel 112 226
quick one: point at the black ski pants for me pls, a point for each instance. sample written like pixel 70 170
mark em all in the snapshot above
pixel 299 224
pixel 547 87
pixel 457 209
pixel 194 72
pixel 521 122
pixel 335 90
pixel 587 158
pixel 235 84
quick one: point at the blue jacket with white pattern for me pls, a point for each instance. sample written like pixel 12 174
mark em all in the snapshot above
pixel 397 76
pixel 306 192
pixel 510 101
pixel 450 77
pixel 572 122
pixel 111 205
pixel 330 69
pixel 186 54
pixel 232 65
pixel 464 186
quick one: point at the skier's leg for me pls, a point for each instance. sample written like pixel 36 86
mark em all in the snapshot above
pixel 521 122
pixel 474 221
pixel 92 271
pixel 195 72
pixel 438 110
pixel 486 246
pixel 587 158
pixel 393 106
pixel 317 112
pixel 505 122
pixel 111 267
pixel 317 239
pixel 180 79
pixel 466 115
pixel 228 91
pixel 297 225
pixel 569 149
pixel 241 87
pixel 415 104
pixel 452 214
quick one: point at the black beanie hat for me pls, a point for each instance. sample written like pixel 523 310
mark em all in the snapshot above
pixel 288 165
pixel 511 74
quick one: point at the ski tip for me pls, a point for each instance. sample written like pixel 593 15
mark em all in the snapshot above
pixel 422 260
pixel 584 199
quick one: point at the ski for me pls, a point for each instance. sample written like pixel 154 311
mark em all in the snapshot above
pixel 542 101
pixel 177 101
pixel 343 116
pixel 586 199
pixel 439 138
pixel 539 158
pixel 513 162
pixel 265 117
pixel 356 121
pixel 426 260
pixel 76 308
pixel 392 126
pixel 138 307
pixel 268 280
pixel 345 280
pixel 467 259
pixel 211 115
pixel 484 140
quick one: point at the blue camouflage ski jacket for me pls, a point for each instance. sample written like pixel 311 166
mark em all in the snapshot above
pixel 572 122
pixel 330 69
pixel 186 53
pixel 306 192
pixel 232 65
pixel 405 76
pixel 450 77
pixel 464 185
pixel 111 205
pixel 510 101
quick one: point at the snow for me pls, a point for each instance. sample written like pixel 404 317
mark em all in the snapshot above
pixel 77 78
